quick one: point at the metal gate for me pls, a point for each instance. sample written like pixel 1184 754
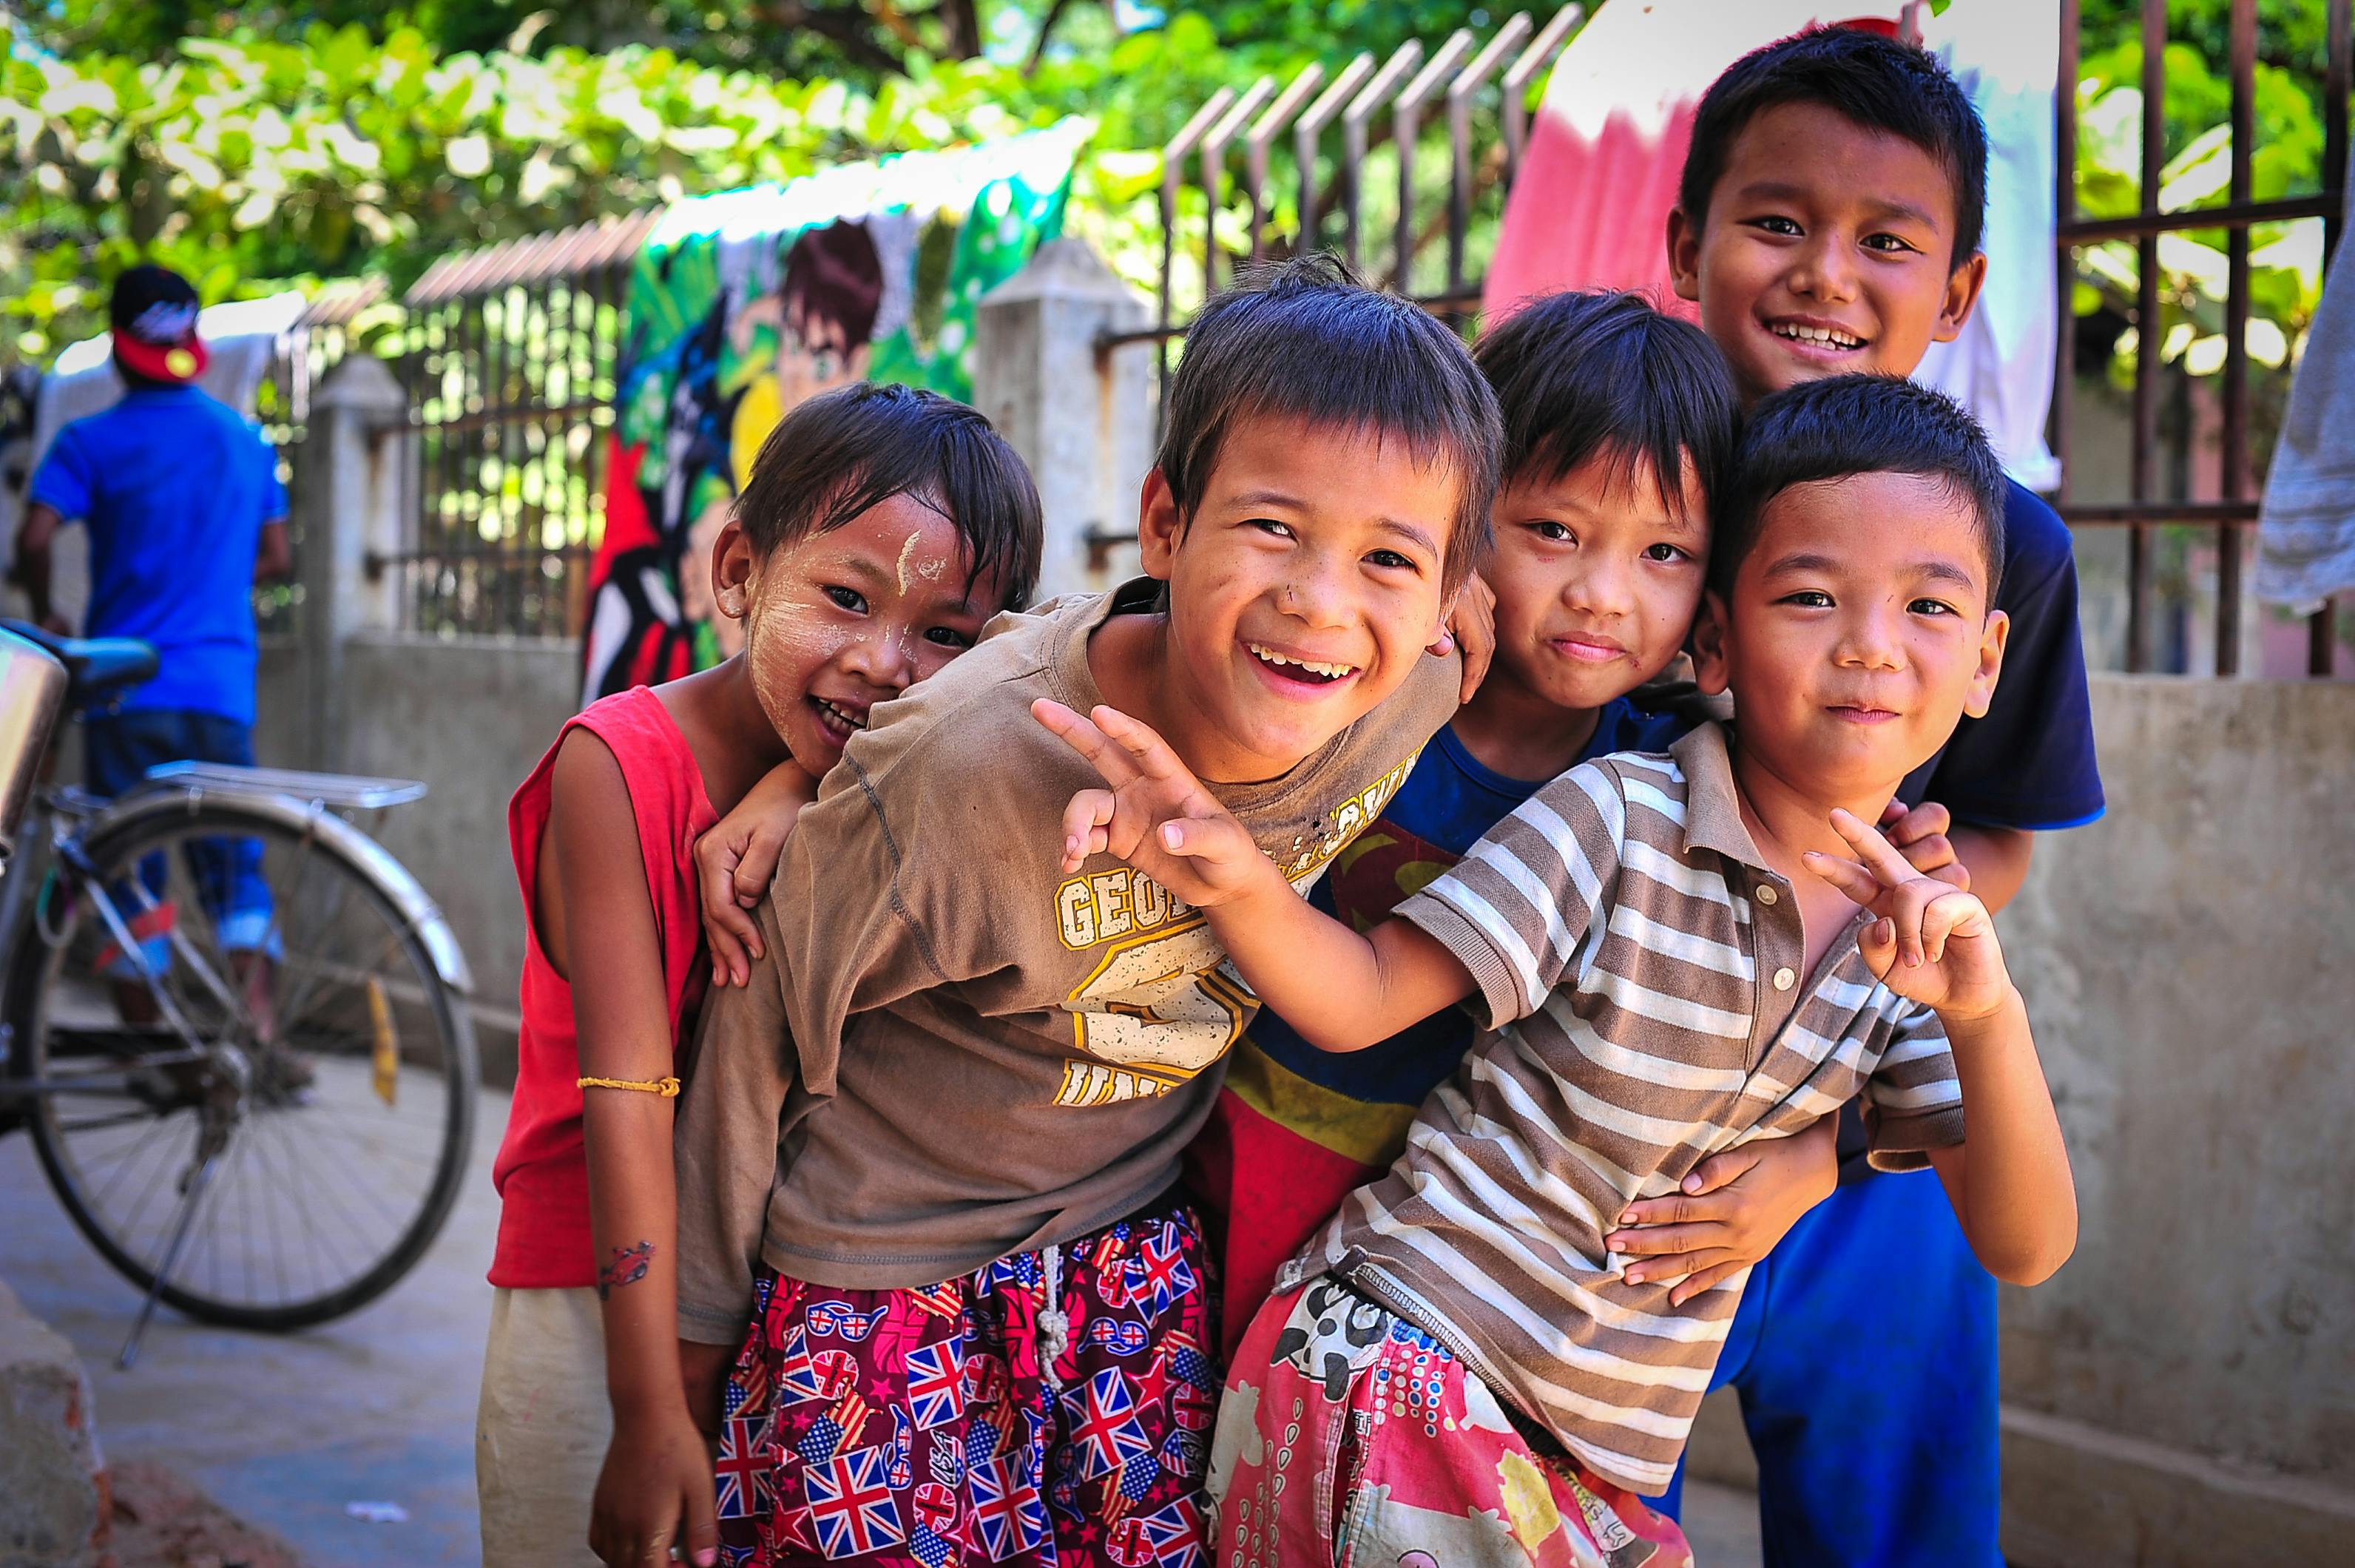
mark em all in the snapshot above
pixel 2227 514
pixel 1390 105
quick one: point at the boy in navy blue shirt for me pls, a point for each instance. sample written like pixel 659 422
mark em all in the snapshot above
pixel 1828 220
pixel 185 511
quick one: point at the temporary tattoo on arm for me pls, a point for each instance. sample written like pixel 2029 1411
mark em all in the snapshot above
pixel 628 1267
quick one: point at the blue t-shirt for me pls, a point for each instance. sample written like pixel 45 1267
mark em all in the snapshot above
pixel 174 487
pixel 2030 763
pixel 1446 803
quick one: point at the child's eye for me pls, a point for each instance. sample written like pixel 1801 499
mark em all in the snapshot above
pixel 949 637
pixel 1270 526
pixel 1891 243
pixel 1777 224
pixel 1552 533
pixel 1931 607
pixel 1808 599
pixel 1664 552
pixel 849 599
pixel 1392 560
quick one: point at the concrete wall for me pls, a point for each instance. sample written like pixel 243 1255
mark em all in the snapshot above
pixel 470 717
pixel 2190 965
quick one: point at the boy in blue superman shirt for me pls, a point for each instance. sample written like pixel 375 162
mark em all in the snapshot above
pixel 1619 422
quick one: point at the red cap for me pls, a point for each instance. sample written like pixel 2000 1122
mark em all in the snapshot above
pixel 154 313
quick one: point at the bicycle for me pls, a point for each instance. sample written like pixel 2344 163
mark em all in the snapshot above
pixel 217 991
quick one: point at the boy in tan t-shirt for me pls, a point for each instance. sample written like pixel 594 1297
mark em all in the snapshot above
pixel 928 1153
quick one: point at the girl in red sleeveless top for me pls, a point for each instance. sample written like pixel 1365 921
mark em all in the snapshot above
pixel 879 528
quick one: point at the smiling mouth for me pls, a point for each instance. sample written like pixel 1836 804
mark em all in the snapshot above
pixel 1312 672
pixel 1815 336
pixel 838 720
pixel 1859 715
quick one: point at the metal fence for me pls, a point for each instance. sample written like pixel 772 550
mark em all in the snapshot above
pixel 1481 87
pixel 509 357
pixel 1331 182
pixel 2226 514
pixel 1402 166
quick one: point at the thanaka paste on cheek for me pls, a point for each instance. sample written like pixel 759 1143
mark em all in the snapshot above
pixel 787 638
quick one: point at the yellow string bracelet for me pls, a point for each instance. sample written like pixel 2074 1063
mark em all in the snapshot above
pixel 666 1087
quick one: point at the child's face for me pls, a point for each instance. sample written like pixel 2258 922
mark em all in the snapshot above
pixel 849 618
pixel 1302 589
pixel 814 354
pixel 1827 247
pixel 1597 580
pixel 1858 634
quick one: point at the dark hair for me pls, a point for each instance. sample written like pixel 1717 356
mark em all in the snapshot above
pixel 834 274
pixel 1582 375
pixel 1875 83
pixel 1844 425
pixel 1305 340
pixel 856 447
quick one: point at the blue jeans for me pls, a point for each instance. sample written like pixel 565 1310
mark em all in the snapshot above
pixel 121 747
pixel 1865 1354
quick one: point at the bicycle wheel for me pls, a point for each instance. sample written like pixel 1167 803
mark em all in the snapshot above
pixel 330 1079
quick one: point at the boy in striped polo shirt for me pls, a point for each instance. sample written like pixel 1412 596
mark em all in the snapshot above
pixel 1672 954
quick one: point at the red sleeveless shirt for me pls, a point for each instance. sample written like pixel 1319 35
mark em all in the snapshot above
pixel 542 1172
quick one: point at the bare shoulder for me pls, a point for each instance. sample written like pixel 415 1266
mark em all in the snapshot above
pixel 587 792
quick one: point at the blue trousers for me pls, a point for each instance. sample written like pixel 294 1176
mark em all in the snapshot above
pixel 121 747
pixel 1865 1354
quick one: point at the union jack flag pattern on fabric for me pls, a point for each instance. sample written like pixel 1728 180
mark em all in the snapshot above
pixel 741 1471
pixel 851 1504
pixel 1007 1513
pixel 936 1382
pixel 1102 1417
pixel 1176 1534
pixel 984 1461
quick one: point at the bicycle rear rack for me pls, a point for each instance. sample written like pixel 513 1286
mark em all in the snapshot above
pixel 336 791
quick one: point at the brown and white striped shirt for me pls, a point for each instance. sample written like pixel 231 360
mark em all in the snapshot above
pixel 1640 968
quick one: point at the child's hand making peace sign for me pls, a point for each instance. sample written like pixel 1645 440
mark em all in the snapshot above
pixel 1934 942
pixel 1156 815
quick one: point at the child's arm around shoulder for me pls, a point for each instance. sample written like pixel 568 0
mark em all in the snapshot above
pixel 1935 944
pixel 1340 990
pixel 736 860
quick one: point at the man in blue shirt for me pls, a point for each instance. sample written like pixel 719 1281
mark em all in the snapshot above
pixel 182 501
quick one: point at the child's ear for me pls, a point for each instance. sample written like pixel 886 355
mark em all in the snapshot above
pixel 1159 524
pixel 1962 294
pixel 1710 669
pixel 1684 254
pixel 731 570
pixel 1992 638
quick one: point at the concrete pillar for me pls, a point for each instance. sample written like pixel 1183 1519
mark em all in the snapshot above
pixel 353 470
pixel 1081 417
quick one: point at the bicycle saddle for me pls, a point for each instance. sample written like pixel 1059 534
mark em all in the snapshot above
pixel 94 666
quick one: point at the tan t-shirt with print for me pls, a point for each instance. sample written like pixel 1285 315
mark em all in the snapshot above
pixel 954 1052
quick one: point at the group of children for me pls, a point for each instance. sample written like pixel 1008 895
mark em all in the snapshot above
pixel 1053 1183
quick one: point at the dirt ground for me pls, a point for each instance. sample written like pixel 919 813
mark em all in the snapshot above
pixel 162 1519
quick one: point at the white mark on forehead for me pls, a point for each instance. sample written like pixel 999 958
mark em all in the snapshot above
pixel 907 551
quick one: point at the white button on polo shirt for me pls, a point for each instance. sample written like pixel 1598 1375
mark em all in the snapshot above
pixel 1785 979
pixel 1766 893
